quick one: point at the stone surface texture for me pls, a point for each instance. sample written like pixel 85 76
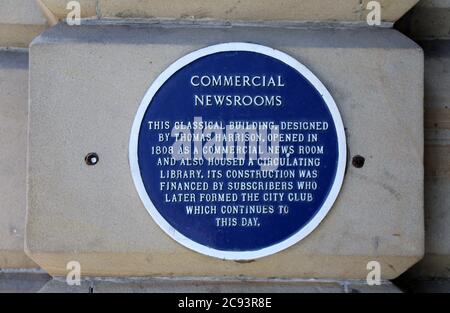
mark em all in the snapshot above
pixel 23 281
pixel 288 10
pixel 211 285
pixel 13 147
pixel 429 19
pixel 437 160
pixel 86 85
pixel 20 22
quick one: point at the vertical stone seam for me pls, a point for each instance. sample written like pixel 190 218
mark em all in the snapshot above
pixel 98 10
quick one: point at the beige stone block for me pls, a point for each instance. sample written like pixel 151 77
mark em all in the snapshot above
pixel 86 85
pixel 193 285
pixel 20 36
pixel 59 7
pixel 23 12
pixel 289 10
pixel 215 285
pixel 20 22
pixel 13 147
pixel 436 262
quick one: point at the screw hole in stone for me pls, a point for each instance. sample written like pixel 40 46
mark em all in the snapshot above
pixel 91 159
pixel 358 161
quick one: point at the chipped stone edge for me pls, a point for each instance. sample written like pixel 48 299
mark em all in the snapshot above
pixel 225 279
pixel 346 285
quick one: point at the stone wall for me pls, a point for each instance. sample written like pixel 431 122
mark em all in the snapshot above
pixel 87 81
pixel 429 25
pixel 20 22
pixel 246 10
pixel 97 217
pixel 13 147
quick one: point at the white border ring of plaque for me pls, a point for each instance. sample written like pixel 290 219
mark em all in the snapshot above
pixel 304 231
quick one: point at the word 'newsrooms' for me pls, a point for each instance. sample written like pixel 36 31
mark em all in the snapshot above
pixel 234 81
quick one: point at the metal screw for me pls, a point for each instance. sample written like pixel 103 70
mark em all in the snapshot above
pixel 91 159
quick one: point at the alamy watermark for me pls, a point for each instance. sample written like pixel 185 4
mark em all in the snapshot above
pixel 73 277
pixel 374 276
pixel 74 15
pixel 374 14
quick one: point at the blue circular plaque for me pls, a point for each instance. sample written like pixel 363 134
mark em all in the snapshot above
pixel 237 151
